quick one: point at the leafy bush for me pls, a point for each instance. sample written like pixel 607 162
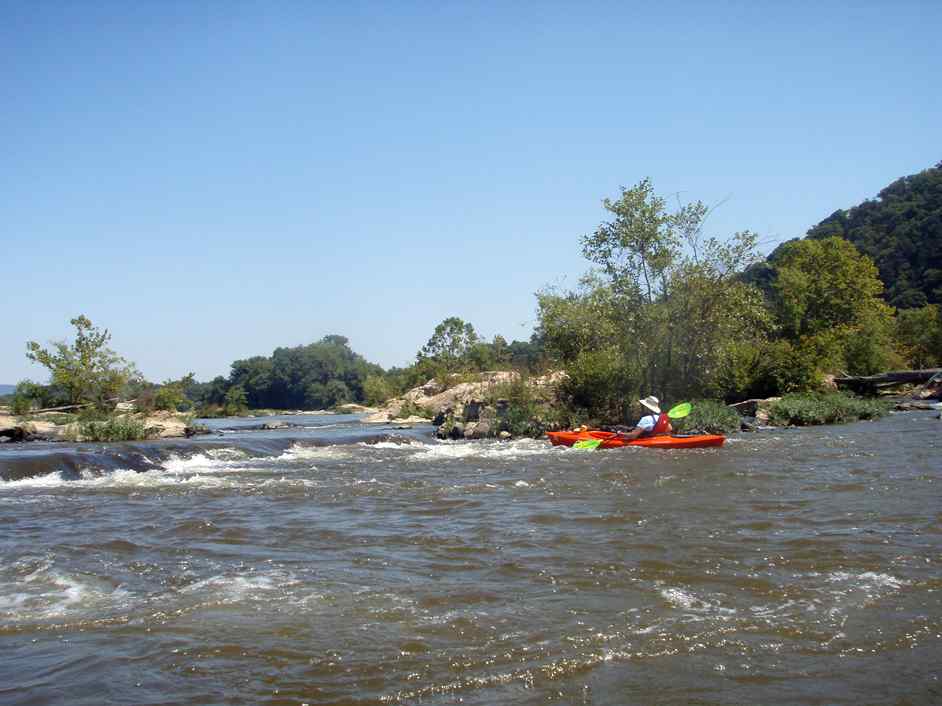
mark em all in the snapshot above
pixel 824 408
pixel 598 387
pixel 211 411
pixel 710 417
pixel 146 400
pixel 236 402
pixel 60 419
pixel 919 335
pixel 411 409
pixel 20 405
pixel 521 407
pixel 376 389
pixel 169 397
pixel 113 429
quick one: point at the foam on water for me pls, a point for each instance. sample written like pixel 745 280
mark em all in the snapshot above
pixel 393 445
pixel 868 580
pixel 448 450
pixel 121 478
pixel 240 587
pixel 687 601
pixel 300 452
pixel 50 592
pixel 857 590
pixel 50 480
pixel 203 462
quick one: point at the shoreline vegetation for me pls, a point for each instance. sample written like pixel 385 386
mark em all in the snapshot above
pixel 665 309
pixel 502 405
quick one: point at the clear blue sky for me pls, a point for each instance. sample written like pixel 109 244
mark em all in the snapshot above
pixel 213 180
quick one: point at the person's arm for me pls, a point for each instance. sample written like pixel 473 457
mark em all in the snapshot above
pixel 630 435
pixel 645 425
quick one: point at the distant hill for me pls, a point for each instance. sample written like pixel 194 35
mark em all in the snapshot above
pixel 901 230
pixel 7 389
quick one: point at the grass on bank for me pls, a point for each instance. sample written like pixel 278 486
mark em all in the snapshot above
pixel 708 417
pixel 124 428
pixel 825 408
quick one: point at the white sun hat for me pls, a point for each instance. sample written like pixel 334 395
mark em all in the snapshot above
pixel 651 403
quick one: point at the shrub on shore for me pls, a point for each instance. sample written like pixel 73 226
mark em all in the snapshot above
pixel 411 409
pixel 824 408
pixel 112 429
pixel 709 417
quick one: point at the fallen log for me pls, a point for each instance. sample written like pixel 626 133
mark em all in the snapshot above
pixel 889 379
pixel 66 408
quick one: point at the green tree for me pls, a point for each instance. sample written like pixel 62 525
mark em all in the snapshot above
pixel 87 370
pixel 377 389
pixel 670 299
pixel 919 335
pixel 449 345
pixel 236 400
pixel 312 376
pixel 827 295
pixel 171 395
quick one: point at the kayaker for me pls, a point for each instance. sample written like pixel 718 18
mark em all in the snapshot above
pixel 653 424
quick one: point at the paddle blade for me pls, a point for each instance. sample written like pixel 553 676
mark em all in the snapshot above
pixel 680 411
pixel 587 444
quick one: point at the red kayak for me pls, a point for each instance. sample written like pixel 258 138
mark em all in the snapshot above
pixel 610 440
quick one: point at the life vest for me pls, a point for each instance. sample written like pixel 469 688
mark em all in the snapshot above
pixel 662 426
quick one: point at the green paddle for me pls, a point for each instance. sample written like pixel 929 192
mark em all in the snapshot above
pixel 677 412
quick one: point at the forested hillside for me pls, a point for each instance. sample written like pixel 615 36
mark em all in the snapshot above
pixel 901 231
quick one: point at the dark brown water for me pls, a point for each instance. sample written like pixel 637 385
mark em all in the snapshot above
pixel 343 565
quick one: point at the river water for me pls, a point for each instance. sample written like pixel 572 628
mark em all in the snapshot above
pixel 341 563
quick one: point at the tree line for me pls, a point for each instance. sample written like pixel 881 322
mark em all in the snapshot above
pixel 665 309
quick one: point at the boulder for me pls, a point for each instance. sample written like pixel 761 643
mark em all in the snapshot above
pixel 756 408
pixel 456 431
pixel 411 419
pixel 477 430
pixel 505 435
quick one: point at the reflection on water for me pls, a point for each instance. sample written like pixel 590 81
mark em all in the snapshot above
pixel 337 563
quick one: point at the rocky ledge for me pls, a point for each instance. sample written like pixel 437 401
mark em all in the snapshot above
pixel 465 409
pixel 158 424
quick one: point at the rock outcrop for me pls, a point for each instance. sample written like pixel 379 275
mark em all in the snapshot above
pixel 466 409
